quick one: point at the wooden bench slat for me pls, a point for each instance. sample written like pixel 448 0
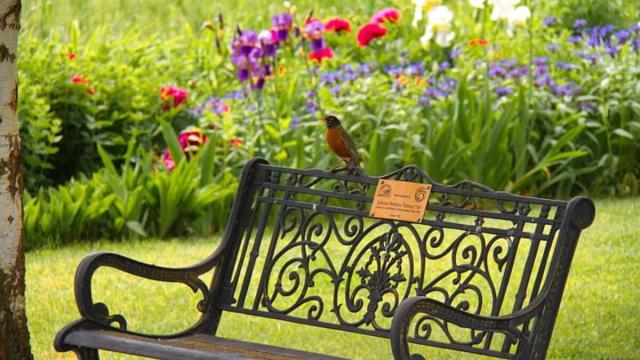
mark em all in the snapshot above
pixel 195 347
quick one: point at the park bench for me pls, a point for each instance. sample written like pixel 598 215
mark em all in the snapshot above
pixel 483 271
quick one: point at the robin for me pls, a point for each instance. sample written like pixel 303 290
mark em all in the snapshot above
pixel 341 144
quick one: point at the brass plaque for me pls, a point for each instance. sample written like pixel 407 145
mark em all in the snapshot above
pixel 400 200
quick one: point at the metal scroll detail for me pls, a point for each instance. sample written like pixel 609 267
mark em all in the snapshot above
pixel 357 275
pixel 326 262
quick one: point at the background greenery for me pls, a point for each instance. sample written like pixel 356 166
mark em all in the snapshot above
pixel 597 318
pixel 549 144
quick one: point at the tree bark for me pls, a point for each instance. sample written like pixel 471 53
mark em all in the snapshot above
pixel 14 335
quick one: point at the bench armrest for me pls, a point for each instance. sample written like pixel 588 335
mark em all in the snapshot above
pixel 99 312
pixel 412 306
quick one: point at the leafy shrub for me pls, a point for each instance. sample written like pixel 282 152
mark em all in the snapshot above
pixel 138 201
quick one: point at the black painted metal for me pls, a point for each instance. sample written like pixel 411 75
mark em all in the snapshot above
pixel 483 272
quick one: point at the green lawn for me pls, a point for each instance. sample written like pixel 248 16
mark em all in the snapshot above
pixel 598 318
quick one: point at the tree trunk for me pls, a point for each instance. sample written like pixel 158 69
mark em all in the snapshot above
pixel 14 335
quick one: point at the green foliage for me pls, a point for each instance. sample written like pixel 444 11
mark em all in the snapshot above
pixel 138 201
pixel 102 137
pixel 599 12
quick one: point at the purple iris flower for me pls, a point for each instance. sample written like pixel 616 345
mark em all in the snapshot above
pixel 258 84
pixel 216 106
pixel 594 40
pixel 243 75
pixel 234 95
pixel 518 72
pixel 335 91
pixel 312 107
pixel 636 45
pixel 366 68
pixel 329 77
pixel 434 93
pixel 247 41
pixel 568 89
pixel 635 28
pixel 509 63
pixel 314 29
pixel 550 20
pixel 540 61
pixel 553 47
pixel 542 80
pixel 574 39
pixel 417 68
pixel 613 50
pixel 542 69
pixel 497 71
pixel 455 53
pixel 317 44
pixel 563 65
pixel 579 24
pixel 393 70
pixel 283 23
pixel 623 36
pixel 592 58
pixel 269 43
pixel 444 66
pixel 503 91
pixel 295 122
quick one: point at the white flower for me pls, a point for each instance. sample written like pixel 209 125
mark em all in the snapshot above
pixel 439 21
pixel 519 16
pixel 502 8
pixel 421 7
pixel 425 40
pixel 417 16
pixel 444 38
pixel 439 18
pixel 478 4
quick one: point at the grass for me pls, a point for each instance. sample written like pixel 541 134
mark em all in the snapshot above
pixel 598 318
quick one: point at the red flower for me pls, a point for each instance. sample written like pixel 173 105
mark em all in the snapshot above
pixel 324 53
pixel 384 15
pixel 167 160
pixel 79 80
pixel 337 25
pixel 478 42
pixel 178 95
pixel 71 56
pixel 236 142
pixel 369 32
pixel 191 139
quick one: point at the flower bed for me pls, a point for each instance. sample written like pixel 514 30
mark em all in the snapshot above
pixel 455 87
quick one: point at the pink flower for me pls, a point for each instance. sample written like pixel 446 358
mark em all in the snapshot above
pixel 369 32
pixel 192 139
pixel 178 95
pixel 337 25
pixel 79 80
pixel 386 15
pixel 71 56
pixel 319 55
pixel 167 160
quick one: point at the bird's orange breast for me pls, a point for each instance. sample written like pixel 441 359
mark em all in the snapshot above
pixel 336 142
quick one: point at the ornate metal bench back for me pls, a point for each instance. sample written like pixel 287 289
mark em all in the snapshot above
pixel 309 253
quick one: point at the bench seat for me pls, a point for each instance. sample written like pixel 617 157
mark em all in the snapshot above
pixel 194 347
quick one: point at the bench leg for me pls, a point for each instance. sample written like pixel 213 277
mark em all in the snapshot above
pixel 87 354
